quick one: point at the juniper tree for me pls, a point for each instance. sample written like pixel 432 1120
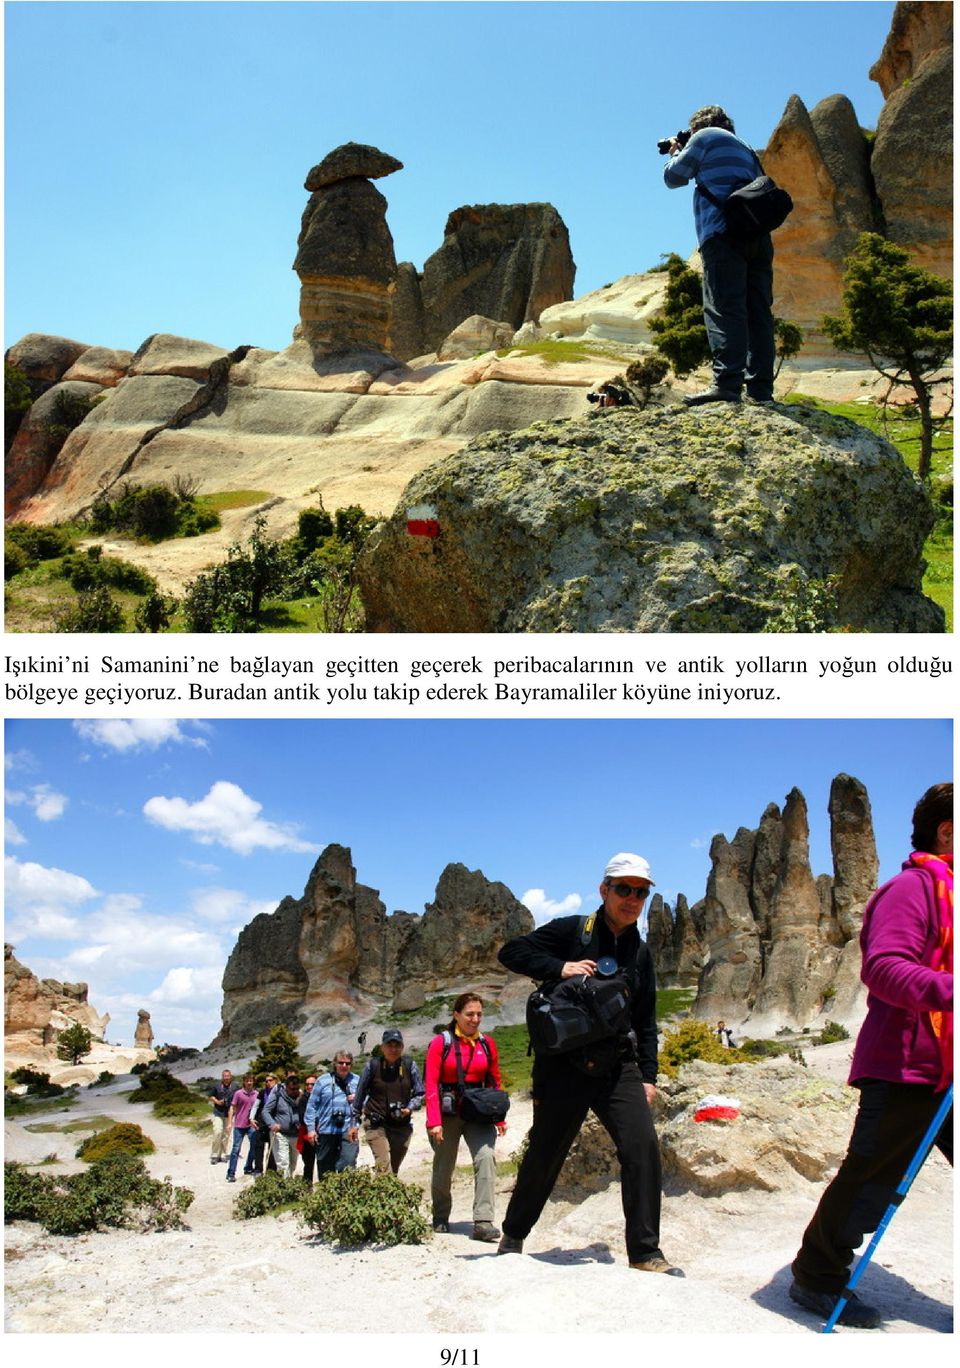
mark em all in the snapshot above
pixel 901 318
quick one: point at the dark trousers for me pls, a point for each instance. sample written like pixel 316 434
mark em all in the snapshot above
pixel 261 1143
pixel 308 1156
pixel 891 1121
pixel 562 1096
pixel 738 312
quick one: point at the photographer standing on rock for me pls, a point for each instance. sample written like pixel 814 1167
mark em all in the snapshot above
pixel 616 1079
pixel 737 275
pixel 902 1063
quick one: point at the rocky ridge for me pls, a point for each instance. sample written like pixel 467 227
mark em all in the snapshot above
pixel 334 952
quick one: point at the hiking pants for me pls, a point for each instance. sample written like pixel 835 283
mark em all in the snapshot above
pixel 283 1148
pixel 221 1137
pixel 562 1096
pixel 891 1121
pixel 738 313
pixel 481 1138
pixel 389 1145
pixel 335 1153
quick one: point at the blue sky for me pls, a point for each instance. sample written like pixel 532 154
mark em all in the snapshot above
pixel 155 153
pixel 136 850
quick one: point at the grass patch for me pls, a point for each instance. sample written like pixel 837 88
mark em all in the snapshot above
pixel 30 1106
pixel 673 1002
pixel 554 352
pixel 226 499
pixel 84 1123
pixel 516 1066
pixel 903 432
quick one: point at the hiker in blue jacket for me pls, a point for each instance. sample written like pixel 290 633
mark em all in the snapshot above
pixel 329 1117
pixel 737 276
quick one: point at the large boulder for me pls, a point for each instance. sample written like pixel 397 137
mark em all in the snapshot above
pixel 44 358
pixel 661 520
pixel 40 437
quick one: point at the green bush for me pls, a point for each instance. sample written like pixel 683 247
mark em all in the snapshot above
pixel 177 1107
pixel 124 1138
pixel 360 1206
pixel 833 1031
pixel 694 1040
pixel 86 569
pixel 159 1083
pixel 41 541
pixel 22 1193
pixel 96 610
pixel 15 559
pixel 151 512
pixel 74 1042
pixel 114 1191
pixel 30 1078
pixel 272 1191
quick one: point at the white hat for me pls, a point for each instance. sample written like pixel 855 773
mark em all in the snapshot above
pixel 626 866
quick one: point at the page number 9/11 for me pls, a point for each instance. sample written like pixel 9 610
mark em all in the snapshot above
pixel 459 1358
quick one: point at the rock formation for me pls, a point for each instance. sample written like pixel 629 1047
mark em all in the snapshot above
pixel 843 183
pixel 503 261
pixel 780 946
pixel 335 951
pixel 345 257
pixel 37 1010
pixel 40 437
pixel 143 1035
pixel 793 1128
pixel 678 953
pixel 655 520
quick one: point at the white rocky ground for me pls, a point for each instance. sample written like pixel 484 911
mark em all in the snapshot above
pixel 267 1276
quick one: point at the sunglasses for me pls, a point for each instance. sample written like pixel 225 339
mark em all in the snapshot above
pixel 623 890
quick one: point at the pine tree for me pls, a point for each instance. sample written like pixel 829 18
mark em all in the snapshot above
pixel 74 1043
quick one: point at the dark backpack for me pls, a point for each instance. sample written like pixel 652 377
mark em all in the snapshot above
pixel 568 1014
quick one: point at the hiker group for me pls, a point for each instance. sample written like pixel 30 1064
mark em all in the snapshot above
pixel 593 1030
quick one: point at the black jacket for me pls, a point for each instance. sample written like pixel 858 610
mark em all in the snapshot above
pixel 543 953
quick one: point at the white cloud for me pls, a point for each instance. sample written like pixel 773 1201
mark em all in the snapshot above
pixel 46 803
pixel 40 900
pixel 228 905
pixel 141 733
pixel 12 835
pixel 195 987
pixel 545 909
pixel 226 816
pixel 701 843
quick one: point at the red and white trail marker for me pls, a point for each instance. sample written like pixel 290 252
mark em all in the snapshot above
pixel 422 521
pixel 716 1107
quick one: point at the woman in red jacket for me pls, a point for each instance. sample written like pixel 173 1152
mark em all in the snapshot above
pixel 445 1126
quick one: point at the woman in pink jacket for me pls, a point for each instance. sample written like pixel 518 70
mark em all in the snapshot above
pixel 446 1127
pixel 903 1061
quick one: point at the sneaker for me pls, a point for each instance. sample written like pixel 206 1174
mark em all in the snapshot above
pixel 214 1161
pixel 441 1227
pixel 658 1264
pixel 855 1313
pixel 231 1177
pixel 485 1231
pixel 509 1244
pixel 711 396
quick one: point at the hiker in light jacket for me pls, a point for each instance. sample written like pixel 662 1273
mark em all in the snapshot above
pixel 282 1114
pixel 329 1117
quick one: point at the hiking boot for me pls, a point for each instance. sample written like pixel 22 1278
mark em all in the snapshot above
pixel 509 1244
pixel 855 1313
pixel 231 1178
pixel 485 1231
pixel 658 1264
pixel 711 396
pixel 441 1227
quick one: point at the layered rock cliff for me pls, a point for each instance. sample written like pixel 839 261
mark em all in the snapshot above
pixel 35 1011
pixel 335 951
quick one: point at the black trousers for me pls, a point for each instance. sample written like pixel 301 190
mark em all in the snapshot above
pixel 738 313
pixel 891 1121
pixel 261 1144
pixel 562 1096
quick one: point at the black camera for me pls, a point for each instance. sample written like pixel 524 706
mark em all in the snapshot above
pixel 338 1118
pixel 683 137
pixel 396 1111
pixel 609 395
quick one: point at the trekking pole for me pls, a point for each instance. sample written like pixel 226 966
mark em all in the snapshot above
pixel 923 1149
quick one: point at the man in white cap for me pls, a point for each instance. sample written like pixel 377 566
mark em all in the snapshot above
pixel 615 1079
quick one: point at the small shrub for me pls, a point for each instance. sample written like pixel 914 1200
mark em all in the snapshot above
pixel 15 559
pixel 96 610
pixel 272 1191
pixel 140 1069
pixel 124 1138
pixel 102 1079
pixel 30 1078
pixel 694 1040
pixel 41 541
pixel 833 1031
pixel 175 1107
pixel 22 1193
pixel 360 1206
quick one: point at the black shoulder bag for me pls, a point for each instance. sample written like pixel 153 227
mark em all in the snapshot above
pixel 482 1104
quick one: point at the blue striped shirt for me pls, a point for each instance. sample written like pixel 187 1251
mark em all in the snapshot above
pixel 720 161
